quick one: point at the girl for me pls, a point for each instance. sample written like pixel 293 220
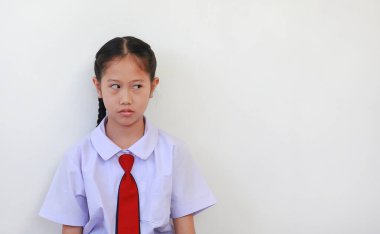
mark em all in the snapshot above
pixel 126 176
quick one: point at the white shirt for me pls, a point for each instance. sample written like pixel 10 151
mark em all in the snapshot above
pixel 85 187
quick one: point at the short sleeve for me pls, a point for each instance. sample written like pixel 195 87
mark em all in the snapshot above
pixel 190 193
pixel 65 201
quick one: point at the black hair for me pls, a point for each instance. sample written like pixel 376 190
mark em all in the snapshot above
pixel 118 48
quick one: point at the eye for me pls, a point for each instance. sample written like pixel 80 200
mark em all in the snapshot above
pixel 115 86
pixel 137 86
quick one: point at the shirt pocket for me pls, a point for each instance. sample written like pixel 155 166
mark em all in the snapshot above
pixel 155 199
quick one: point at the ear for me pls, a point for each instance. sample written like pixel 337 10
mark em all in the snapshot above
pixel 153 85
pixel 97 86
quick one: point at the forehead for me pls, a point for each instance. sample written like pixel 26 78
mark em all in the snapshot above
pixel 126 68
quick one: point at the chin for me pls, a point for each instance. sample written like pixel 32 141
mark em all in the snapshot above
pixel 127 122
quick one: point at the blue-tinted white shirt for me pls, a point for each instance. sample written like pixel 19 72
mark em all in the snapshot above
pixel 85 187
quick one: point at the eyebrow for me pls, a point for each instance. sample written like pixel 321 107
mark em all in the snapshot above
pixel 113 80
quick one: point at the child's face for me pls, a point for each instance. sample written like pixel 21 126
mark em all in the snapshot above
pixel 125 89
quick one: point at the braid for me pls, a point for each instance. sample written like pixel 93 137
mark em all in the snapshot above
pixel 101 111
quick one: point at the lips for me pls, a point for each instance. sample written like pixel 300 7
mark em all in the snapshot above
pixel 126 112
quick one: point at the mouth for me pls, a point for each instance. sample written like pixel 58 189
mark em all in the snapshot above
pixel 126 112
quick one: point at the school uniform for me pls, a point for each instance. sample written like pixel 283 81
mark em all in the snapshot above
pixel 84 190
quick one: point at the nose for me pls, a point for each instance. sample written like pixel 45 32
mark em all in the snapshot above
pixel 125 98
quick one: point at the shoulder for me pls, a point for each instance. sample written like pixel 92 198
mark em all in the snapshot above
pixel 176 146
pixel 74 154
pixel 170 140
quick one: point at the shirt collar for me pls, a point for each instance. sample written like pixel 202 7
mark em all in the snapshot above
pixel 142 148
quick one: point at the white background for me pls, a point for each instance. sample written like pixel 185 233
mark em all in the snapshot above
pixel 279 101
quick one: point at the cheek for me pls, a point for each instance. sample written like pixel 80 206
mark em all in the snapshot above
pixel 144 97
pixel 108 100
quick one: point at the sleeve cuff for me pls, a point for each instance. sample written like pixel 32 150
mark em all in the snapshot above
pixel 194 208
pixel 61 219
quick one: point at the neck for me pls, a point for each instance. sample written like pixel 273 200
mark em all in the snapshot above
pixel 125 136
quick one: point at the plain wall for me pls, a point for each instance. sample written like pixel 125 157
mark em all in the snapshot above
pixel 279 101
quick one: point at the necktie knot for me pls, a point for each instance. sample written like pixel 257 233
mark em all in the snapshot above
pixel 126 162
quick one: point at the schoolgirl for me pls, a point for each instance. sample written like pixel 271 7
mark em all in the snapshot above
pixel 126 176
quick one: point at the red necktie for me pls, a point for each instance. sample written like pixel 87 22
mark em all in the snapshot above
pixel 127 215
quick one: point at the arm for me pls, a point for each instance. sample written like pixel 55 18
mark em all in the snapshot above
pixel 66 229
pixel 184 225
